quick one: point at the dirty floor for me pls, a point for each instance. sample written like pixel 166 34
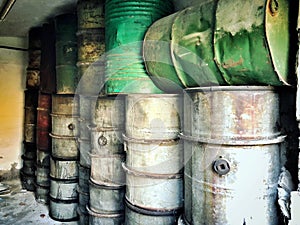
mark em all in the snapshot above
pixel 19 207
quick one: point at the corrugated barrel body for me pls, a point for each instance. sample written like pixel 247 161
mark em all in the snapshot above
pixel 65 147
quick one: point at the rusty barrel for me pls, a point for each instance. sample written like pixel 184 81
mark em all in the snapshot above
pixel 203 45
pixel 136 215
pixel 66 53
pixel 32 78
pixel 27 172
pixel 30 115
pixel 43 140
pixel 90 14
pixel 146 116
pixel 218 153
pixel 103 218
pixel 126 23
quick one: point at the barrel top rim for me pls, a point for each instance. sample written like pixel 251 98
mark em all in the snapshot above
pixel 231 88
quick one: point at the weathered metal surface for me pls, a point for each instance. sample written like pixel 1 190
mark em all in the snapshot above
pixel 232 113
pixel 32 78
pixel 218 181
pixel 135 216
pixel 65 104
pixel 43 140
pixel 28 165
pixel 30 115
pixel 109 112
pixel 31 98
pixel 107 219
pixel 30 133
pixel 64 147
pixel 63 169
pixel 63 189
pixel 91 45
pixel 84 132
pixel 154 191
pixel 186 42
pixel 30 151
pixel 108 141
pixel 34 38
pixel 249 47
pixel 107 169
pixel 84 152
pixel 42 194
pixel 42 176
pixel 106 199
pixel 83 199
pixel 90 14
pixel 84 176
pixel 65 27
pixel 126 25
pixel 91 77
pixel 28 181
pixel 158 157
pixel 86 107
pixel 155 116
pixel 65 125
pixel 43 158
pixel 66 79
pixel 83 217
pixel 63 210
pixel 44 102
pixel 216 43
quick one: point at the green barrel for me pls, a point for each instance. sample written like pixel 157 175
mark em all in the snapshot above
pixel 66 53
pixel 126 25
pixel 90 14
pixel 217 43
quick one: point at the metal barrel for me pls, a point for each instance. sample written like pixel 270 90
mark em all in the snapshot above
pixel 27 181
pixel 84 132
pixel 109 112
pixel 90 14
pixel 106 199
pixel 28 165
pixel 43 139
pixel 64 147
pixel 63 210
pixel 83 198
pixel 86 107
pixel 107 169
pixel 106 141
pixel 154 156
pixel 30 151
pixel 197 49
pixel 128 22
pixel 42 194
pixel 63 189
pixel 34 38
pixel 146 116
pixel 83 217
pixel 42 176
pixel 145 190
pixel 67 104
pixel 251 112
pixel 84 152
pixel 107 219
pixel 66 53
pixel 135 215
pixel 84 176
pixel 48 59
pixel 32 78
pixel 65 125
pixel 30 115
pixel 217 183
pixel 63 169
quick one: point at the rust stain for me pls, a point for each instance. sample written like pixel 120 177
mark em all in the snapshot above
pixel 230 63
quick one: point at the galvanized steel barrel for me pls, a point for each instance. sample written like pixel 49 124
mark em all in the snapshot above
pixel 217 43
pixel 232 113
pixel 154 191
pixel 103 218
pixel 65 104
pixel 107 169
pixel 63 210
pixel 63 169
pixel 106 199
pixel 90 14
pixel 135 215
pixel 66 53
pixel 63 189
pixel 126 25
pixel 154 156
pixel 65 147
pixel 146 116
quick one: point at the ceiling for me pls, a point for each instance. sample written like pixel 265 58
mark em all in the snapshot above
pixel 31 13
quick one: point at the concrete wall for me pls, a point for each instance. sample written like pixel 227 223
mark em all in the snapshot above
pixel 12 85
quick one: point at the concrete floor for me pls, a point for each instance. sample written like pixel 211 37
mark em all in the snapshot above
pixel 19 207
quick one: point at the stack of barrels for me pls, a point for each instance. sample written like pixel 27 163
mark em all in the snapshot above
pixel 154 179
pixel 65 128
pixel 232 154
pixel 30 113
pixel 90 66
pixel 107 180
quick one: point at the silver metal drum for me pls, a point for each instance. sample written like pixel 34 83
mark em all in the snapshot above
pixel 65 104
pixel 106 141
pixel 42 176
pixel 63 210
pixel 153 116
pixel 136 216
pixel 154 156
pixel 154 191
pixel 63 169
pixel 64 147
pixel 107 169
pixel 231 184
pixel 65 125
pixel 232 112
pixel 63 189
pixel 106 199
pixel 105 219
